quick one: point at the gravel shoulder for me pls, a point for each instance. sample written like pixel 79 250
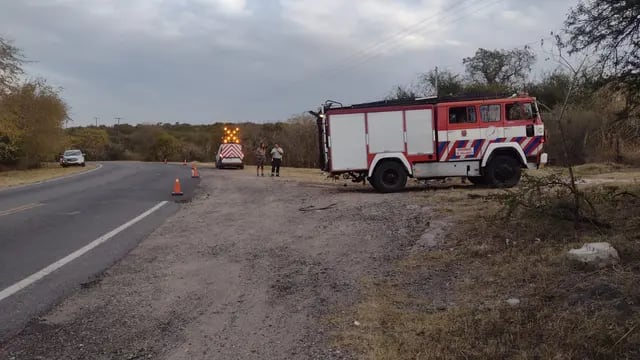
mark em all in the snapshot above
pixel 252 268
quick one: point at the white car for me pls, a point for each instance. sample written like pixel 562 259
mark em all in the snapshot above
pixel 72 157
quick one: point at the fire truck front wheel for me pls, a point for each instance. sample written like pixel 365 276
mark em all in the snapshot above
pixel 503 171
pixel 389 176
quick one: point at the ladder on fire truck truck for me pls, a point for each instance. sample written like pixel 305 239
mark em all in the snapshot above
pixel 418 101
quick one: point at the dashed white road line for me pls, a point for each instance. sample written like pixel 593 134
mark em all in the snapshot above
pixel 11 290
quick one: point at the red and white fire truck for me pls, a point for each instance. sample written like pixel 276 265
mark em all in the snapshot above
pixel 487 140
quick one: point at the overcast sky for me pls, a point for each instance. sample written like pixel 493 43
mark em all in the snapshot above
pixel 204 61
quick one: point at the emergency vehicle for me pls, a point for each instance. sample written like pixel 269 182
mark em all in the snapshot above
pixel 487 140
pixel 230 154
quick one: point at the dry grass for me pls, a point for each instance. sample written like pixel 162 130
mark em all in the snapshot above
pixel 48 171
pixel 298 174
pixel 602 168
pixel 450 302
pixel 595 174
pixel 289 173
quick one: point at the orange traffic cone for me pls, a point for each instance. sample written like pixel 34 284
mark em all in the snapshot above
pixel 176 188
pixel 194 172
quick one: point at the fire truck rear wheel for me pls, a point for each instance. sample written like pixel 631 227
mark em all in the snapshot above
pixel 389 176
pixel 503 171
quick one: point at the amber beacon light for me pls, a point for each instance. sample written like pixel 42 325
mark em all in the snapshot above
pixel 231 135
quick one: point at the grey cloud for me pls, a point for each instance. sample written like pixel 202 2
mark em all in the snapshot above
pixel 226 68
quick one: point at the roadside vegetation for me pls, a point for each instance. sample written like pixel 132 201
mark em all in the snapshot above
pixel 32 115
pixel 46 171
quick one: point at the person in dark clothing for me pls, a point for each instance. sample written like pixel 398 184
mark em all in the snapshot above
pixel 276 159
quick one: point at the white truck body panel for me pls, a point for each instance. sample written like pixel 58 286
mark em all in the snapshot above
pixel 347 141
pixel 420 132
pixel 386 132
pixel 445 169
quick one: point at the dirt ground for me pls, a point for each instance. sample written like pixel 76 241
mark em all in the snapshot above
pixel 252 268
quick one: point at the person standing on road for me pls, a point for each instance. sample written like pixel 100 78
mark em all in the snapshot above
pixel 261 158
pixel 276 159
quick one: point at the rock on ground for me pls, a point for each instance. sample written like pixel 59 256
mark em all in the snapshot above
pixel 599 255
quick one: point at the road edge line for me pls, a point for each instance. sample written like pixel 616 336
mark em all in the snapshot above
pixel 31 279
pixel 98 167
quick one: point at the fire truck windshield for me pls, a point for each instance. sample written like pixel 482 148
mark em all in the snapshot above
pixel 528 111
pixel 536 111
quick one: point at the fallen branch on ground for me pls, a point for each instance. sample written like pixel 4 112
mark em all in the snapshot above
pixel 312 207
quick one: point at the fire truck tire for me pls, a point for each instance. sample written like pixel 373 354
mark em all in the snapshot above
pixel 389 176
pixel 502 171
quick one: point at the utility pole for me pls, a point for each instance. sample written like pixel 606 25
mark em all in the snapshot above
pixel 436 85
pixel 96 118
pixel 118 129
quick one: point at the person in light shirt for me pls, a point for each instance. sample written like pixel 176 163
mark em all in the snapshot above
pixel 276 159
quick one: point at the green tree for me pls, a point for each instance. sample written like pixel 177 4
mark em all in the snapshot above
pixel 166 146
pixel 302 141
pixel 449 83
pixel 141 141
pixel 551 90
pixel 508 68
pixel 612 29
pixel 402 92
pixel 11 61
pixel 91 140
pixel 31 119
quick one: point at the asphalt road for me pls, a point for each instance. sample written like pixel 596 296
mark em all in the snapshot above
pixel 57 235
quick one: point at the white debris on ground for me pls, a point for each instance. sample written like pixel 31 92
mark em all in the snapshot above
pixel 599 255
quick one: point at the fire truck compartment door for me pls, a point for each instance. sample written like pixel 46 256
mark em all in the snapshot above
pixel 385 132
pixel 420 135
pixel 347 142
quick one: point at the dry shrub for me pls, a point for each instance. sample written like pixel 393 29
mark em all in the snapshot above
pixel 565 311
pixel 551 197
pixel 602 128
pixel 579 125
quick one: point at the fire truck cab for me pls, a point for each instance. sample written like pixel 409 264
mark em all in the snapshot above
pixel 487 140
